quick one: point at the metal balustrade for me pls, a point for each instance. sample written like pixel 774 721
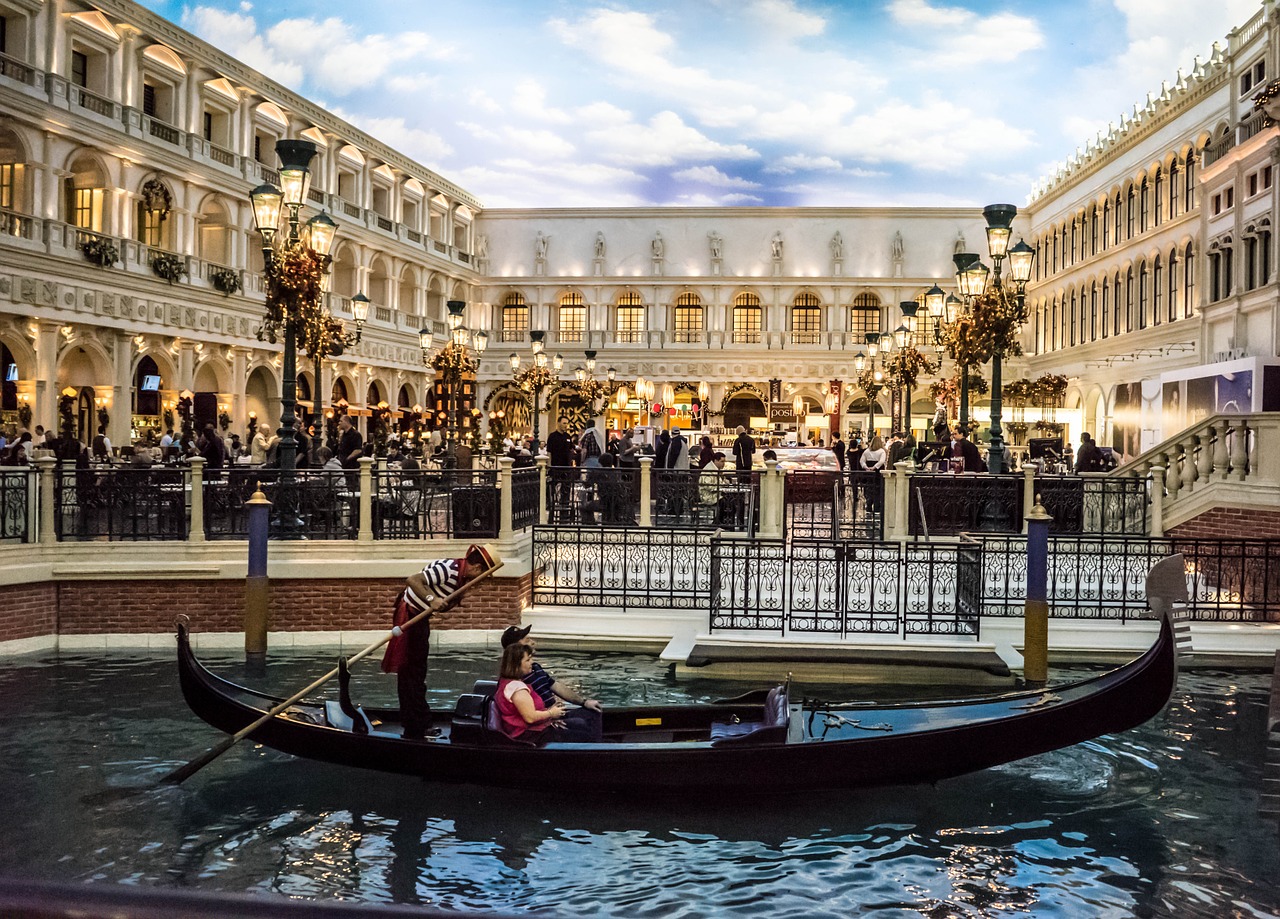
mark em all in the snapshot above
pixel 446 504
pixel 315 503
pixel 17 498
pixel 120 503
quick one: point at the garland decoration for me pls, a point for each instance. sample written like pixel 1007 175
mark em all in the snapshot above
pixel 906 364
pixel 535 377
pixel 293 289
pixel 453 361
pixel 157 198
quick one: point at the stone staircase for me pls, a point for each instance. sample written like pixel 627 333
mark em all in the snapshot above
pixel 1223 461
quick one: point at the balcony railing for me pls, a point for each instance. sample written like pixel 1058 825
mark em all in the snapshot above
pixel 746 338
pixel 165 132
pixel 16 70
pixel 15 224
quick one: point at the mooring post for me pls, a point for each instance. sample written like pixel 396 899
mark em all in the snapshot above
pixel 1035 616
pixel 256 584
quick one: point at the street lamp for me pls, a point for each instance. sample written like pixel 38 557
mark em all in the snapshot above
pixel 535 378
pixel 454 361
pixel 994 310
pixel 295 275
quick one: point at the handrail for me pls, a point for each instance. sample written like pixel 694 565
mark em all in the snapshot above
pixel 1144 461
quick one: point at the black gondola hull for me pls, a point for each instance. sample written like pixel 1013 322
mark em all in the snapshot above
pixel 927 742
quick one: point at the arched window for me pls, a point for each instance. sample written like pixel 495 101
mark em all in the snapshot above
pixel 1130 206
pixel 806 320
pixel 1129 324
pixel 864 317
pixel 629 319
pixel 1071 321
pixel 1074 247
pixel 1117 211
pixel 1144 203
pixel 1173 285
pixel 1093 229
pixel 1157 194
pixel 1188 281
pixel 747 319
pixel 688 318
pixel 572 318
pixel 1264 253
pixel 1053 325
pixel 1038 336
pixel 1173 188
pixel 515 317
pixel 1144 276
pixel 1189 185
pixel 1157 290
pixel 1106 224
pixel 1116 300
pixel 1093 312
pixel 1104 314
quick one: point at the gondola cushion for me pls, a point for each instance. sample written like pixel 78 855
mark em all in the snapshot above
pixel 772 728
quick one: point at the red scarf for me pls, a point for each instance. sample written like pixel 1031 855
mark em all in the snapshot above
pixel 397 647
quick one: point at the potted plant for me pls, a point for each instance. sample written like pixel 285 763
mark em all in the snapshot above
pixel 225 280
pixel 101 251
pixel 168 266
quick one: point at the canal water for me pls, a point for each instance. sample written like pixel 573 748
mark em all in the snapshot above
pixel 1160 821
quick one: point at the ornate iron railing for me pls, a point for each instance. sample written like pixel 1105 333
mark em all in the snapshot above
pixel 1232 580
pixel 593 496
pixel 846 587
pixel 621 568
pixel 524 498
pixel 695 499
pixel 313 503
pixel 449 503
pixel 822 505
pixel 1094 504
pixel 955 504
pixel 17 486
pixel 120 504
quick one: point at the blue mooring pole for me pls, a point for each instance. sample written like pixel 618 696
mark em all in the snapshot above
pixel 1035 616
pixel 256 585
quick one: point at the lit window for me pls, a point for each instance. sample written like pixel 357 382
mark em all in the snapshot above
pixel 688 318
pixel 515 318
pixel 806 320
pixel 630 319
pixel 747 319
pixel 573 318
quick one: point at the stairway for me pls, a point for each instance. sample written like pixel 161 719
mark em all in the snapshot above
pixel 1223 461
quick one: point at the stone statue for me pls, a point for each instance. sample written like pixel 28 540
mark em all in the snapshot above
pixel 717 244
pixel 599 244
pixel 776 245
pixel 961 245
pixel 897 248
pixel 658 246
pixel 837 247
pixel 482 246
pixel 540 246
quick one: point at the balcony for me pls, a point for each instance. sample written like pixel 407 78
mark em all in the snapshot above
pixel 747 338
pixel 14 69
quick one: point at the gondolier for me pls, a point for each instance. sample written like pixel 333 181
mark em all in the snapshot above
pixel 407 653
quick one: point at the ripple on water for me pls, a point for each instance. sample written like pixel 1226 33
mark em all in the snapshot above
pixel 1159 821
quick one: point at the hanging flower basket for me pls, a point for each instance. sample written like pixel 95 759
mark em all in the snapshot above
pixel 225 281
pixel 168 267
pixel 102 252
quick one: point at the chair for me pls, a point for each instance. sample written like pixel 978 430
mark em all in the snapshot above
pixel 772 728
pixel 402 512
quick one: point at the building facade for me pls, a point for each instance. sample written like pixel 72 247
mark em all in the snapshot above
pixel 130 273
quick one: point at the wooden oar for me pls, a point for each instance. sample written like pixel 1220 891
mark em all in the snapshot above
pixel 182 773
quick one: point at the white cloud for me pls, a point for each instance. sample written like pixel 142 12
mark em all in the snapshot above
pixel 962 37
pixel 802 162
pixel 710 175
pixel 781 20
pixel 237 34
pixel 664 141
pixel 427 147
pixel 530 99
pixel 738 198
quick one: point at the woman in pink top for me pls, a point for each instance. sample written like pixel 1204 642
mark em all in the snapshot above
pixel 524 715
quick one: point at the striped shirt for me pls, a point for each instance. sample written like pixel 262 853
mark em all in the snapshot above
pixel 442 578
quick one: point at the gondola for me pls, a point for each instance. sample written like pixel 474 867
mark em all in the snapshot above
pixel 757 743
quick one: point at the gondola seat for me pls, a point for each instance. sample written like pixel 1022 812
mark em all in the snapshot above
pixel 771 728
pixel 337 718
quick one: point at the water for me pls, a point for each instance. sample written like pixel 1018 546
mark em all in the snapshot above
pixel 1160 821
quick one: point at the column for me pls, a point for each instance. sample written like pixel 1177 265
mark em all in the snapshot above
pixel 365 533
pixel 120 429
pixel 646 491
pixel 506 529
pixel 46 405
pixel 196 533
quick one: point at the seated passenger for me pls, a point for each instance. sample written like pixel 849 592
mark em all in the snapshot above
pixel 524 716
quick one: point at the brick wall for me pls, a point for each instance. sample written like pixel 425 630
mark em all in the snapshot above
pixel 28 611
pixel 1230 523
pixel 96 607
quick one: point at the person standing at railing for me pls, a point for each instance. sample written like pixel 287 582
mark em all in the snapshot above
pixel 350 450
pixel 962 448
pixel 873 460
pixel 263 441
pixel 744 452
pixel 1088 457
pixel 560 449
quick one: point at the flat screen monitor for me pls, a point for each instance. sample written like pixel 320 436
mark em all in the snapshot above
pixel 11 373
pixel 1045 448
pixel 150 384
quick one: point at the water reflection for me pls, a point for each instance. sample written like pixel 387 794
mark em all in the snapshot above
pixel 1158 821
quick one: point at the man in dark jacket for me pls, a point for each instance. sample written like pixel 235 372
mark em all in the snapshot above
pixel 744 451
pixel 560 448
pixel 961 448
pixel 1088 457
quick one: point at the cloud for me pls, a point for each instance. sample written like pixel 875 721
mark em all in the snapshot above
pixel 963 37
pixel 740 199
pixel 710 175
pixel 782 21
pixel 802 162
pixel 237 34
pixel 530 99
pixel 664 141
pixel 427 147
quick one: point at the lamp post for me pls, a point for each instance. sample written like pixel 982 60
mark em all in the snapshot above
pixel 999 309
pixel 455 361
pixel 870 378
pixel 535 378
pixel 295 282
